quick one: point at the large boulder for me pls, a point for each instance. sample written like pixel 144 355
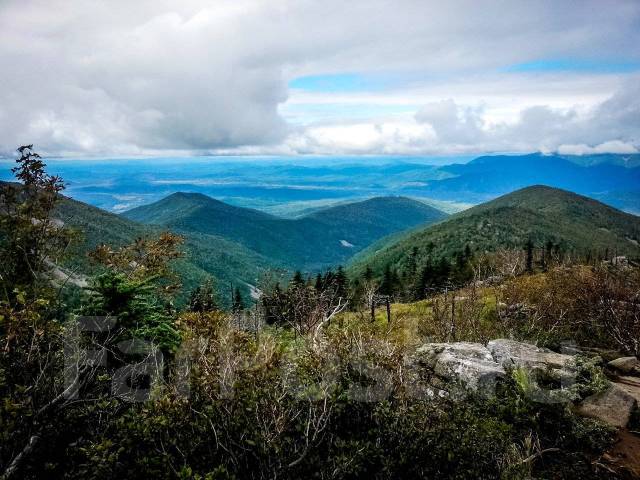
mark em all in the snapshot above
pixel 513 354
pixel 628 365
pixel 631 385
pixel 613 406
pixel 464 364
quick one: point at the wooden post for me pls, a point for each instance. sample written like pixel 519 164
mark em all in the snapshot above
pixel 388 311
pixel 373 310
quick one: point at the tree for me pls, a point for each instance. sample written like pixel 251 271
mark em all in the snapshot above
pixel 390 281
pixel 412 262
pixel 238 301
pixel 32 241
pixel 529 259
pixel 203 298
pixel 424 281
pixel 340 280
pixel 368 274
pixel 50 379
pixel 137 287
pixel 297 278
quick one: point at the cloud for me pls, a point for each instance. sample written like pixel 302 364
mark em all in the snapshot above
pixel 451 122
pixel 363 138
pixel 614 146
pixel 163 77
pixel 94 80
pixel 611 126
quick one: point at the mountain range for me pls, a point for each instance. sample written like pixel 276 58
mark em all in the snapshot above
pixel 293 187
pixel 613 179
pixel 237 245
pixel 541 214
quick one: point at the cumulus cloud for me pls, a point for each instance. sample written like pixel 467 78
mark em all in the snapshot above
pixel 614 146
pixel 611 126
pixel 101 77
pixel 363 138
pixel 453 123
pixel 160 76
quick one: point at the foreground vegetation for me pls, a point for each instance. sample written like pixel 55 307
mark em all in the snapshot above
pixel 112 381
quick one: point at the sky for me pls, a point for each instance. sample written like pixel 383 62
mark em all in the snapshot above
pixel 96 78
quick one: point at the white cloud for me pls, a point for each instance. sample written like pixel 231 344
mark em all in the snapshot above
pixel 159 76
pixel 363 138
pixel 614 146
pixel 611 126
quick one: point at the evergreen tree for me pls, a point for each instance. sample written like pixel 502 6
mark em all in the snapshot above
pixel 442 272
pixel 368 274
pixel 390 281
pixel 424 281
pixel 238 302
pixel 203 298
pixel 297 279
pixel 341 283
pixel 412 262
pixel 529 258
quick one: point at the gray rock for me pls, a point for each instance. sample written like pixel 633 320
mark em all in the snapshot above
pixel 540 361
pixel 631 385
pixel 612 407
pixel 468 364
pixel 626 365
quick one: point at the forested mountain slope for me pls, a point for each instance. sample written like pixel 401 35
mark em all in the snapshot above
pixel 571 222
pixel 324 238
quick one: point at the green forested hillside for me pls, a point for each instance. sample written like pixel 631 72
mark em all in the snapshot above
pixel 540 214
pixel 325 238
pixel 204 255
pixel 237 245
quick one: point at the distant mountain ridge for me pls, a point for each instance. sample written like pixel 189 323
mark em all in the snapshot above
pixel 324 238
pixel 294 190
pixel 538 213
pixel 598 176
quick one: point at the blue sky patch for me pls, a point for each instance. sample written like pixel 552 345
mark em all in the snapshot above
pixel 576 65
pixel 340 82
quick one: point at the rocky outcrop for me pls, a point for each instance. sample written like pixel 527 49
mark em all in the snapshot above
pixel 613 406
pixel 466 364
pixel 628 365
pixel 512 354
pixel 547 376
pixel 631 385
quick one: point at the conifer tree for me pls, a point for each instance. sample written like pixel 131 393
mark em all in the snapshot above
pixel 529 258
pixel 238 301
pixel 341 283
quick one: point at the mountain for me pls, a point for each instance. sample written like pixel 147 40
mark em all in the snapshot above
pixel 327 237
pixel 613 179
pixel 204 255
pixel 538 213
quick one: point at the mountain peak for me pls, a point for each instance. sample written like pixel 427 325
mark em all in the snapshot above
pixel 539 213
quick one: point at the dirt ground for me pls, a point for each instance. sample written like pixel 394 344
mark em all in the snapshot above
pixel 624 457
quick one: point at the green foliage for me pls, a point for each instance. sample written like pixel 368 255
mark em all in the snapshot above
pixel 238 301
pixel 31 239
pixel 203 298
pixel 309 243
pixel 572 223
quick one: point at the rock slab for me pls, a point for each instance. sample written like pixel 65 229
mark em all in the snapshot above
pixel 613 406
pixel 513 354
pixel 629 365
pixel 468 364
